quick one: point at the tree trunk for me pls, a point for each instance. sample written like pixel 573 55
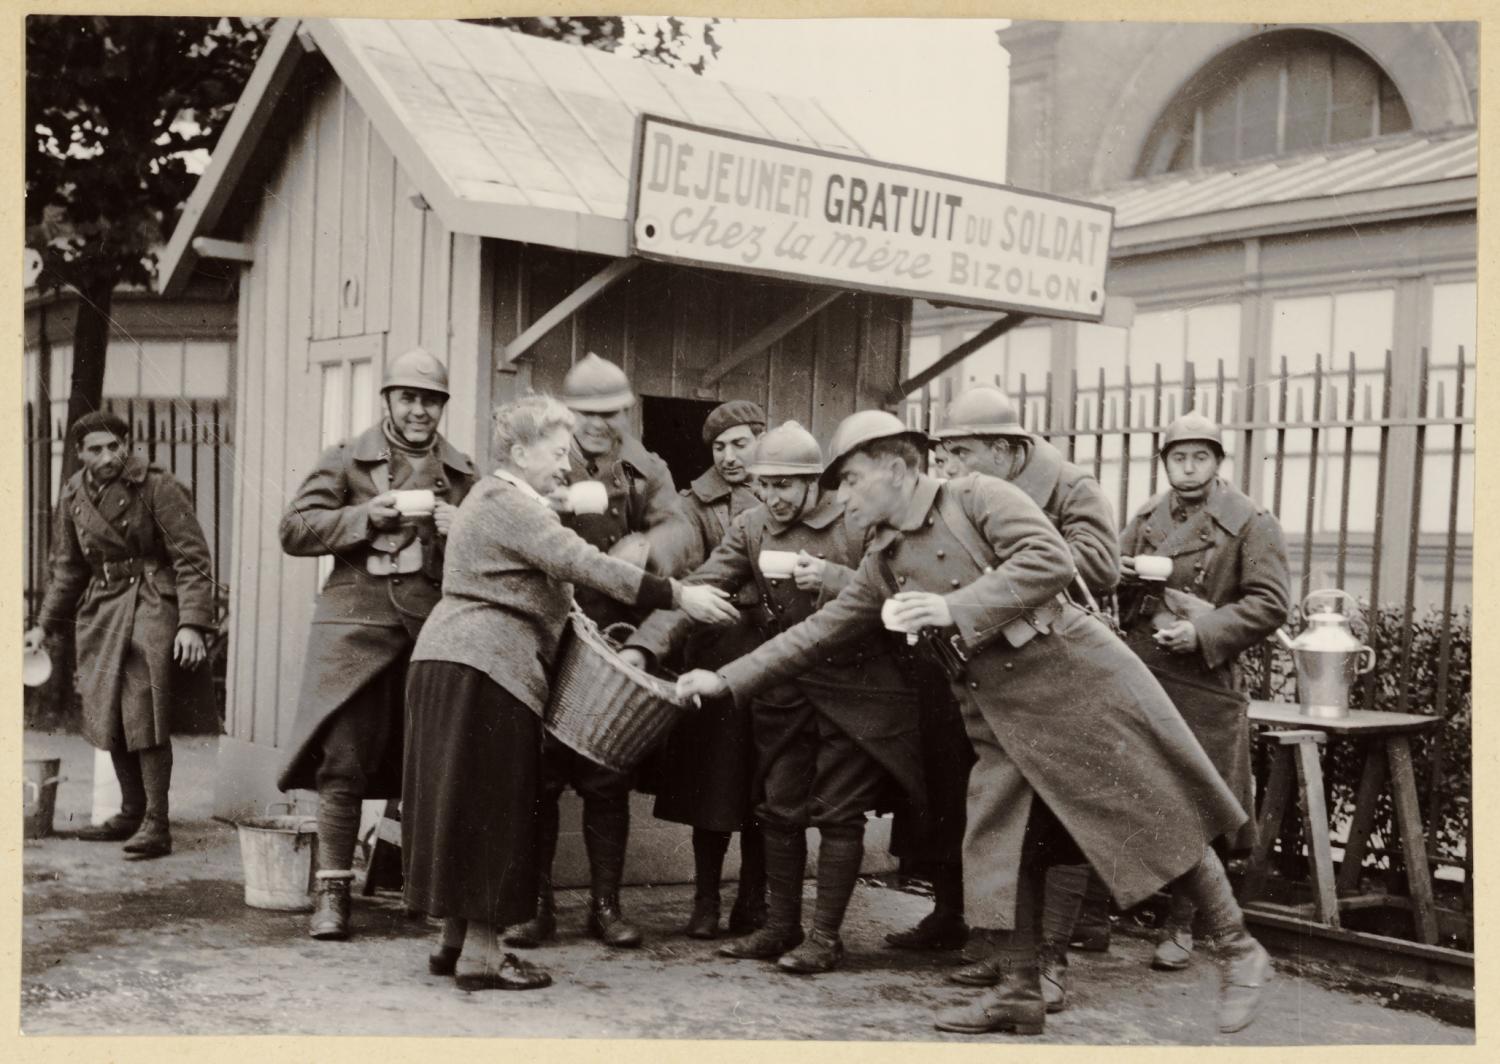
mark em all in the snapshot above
pixel 90 345
pixel 59 701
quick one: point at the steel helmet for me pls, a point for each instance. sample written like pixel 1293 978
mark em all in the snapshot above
pixel 596 385
pixel 860 428
pixel 1195 428
pixel 982 410
pixel 418 369
pixel 788 450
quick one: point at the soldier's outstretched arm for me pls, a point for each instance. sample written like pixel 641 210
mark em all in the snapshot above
pixel 67 570
pixel 728 568
pixel 853 613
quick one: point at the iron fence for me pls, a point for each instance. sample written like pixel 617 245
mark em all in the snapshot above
pixel 190 438
pixel 1385 464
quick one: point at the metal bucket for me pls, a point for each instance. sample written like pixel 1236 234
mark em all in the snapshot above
pixel 277 853
pixel 40 782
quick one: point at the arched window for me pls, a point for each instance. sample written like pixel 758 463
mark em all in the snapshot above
pixel 1276 94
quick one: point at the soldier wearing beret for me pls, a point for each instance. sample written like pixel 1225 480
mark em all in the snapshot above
pixel 702 773
pixel 131 571
pixel 644 523
pixel 1080 754
pixel 387 576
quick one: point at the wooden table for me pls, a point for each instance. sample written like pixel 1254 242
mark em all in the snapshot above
pixel 1388 762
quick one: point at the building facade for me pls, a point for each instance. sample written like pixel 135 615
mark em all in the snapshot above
pixel 1291 203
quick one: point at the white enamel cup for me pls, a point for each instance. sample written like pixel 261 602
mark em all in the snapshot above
pixel 1152 567
pixel 414 504
pixel 588 497
pixel 777 564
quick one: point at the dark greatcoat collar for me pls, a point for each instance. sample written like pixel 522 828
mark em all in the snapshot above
pixel 711 487
pixel 1044 466
pixel 826 511
pixel 372 446
pixel 1227 507
pixel 915 514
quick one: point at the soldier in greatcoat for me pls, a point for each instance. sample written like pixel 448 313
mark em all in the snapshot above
pixel 644 523
pixel 835 741
pixel 982 432
pixel 702 772
pixel 1229 589
pixel 1078 748
pixel 386 578
pixel 131 571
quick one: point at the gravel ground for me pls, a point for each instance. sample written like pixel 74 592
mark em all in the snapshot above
pixel 169 947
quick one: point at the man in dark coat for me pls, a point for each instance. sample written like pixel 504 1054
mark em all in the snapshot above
pixel 131 570
pixel 1078 748
pixel 981 431
pixel 1229 589
pixel 364 505
pixel 832 741
pixel 702 772
pixel 644 523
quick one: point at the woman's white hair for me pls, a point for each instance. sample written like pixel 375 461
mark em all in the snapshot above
pixel 527 419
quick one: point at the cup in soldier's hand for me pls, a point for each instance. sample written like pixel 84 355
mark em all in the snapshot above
pixel 777 564
pixel 588 497
pixel 1152 567
pixel 414 504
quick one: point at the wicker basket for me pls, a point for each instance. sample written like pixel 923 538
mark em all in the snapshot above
pixel 608 711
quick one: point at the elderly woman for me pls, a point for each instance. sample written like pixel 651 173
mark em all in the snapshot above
pixel 478 685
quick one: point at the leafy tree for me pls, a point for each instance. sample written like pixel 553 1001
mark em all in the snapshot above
pixel 115 105
pixel 686 43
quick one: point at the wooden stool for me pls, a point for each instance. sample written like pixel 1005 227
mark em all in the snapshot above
pixel 383 869
pixel 1296 757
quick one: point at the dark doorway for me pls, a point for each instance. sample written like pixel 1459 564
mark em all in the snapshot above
pixel 673 428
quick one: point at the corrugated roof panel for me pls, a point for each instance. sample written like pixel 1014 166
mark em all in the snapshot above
pixel 375 33
pixel 633 83
pixel 771 115
pixel 435 124
pixel 707 102
pixel 824 131
pixel 1401 161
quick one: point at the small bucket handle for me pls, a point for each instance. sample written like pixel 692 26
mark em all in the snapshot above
pixel 35 789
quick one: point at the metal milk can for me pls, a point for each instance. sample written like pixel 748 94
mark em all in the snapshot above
pixel 1329 659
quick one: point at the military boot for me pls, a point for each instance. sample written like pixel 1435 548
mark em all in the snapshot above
pixel 123 824
pixel 1244 970
pixel 154 837
pixel 709 848
pixel 1174 950
pixel 1016 1005
pixel 1052 962
pixel 330 918
pixel 786 860
pixel 943 928
pixel 606 829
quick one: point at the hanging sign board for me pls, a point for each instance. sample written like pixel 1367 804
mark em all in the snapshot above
pixel 708 197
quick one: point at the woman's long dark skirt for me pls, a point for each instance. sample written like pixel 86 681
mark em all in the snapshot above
pixel 468 838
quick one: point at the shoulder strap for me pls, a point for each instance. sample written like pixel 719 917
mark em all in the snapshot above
pixel 962 529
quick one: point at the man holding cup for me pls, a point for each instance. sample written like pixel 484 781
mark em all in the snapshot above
pixel 981 430
pixel 380 505
pixel 643 522
pixel 1080 754
pixel 1206 578
pixel 831 743
pixel 131 571
pixel 702 772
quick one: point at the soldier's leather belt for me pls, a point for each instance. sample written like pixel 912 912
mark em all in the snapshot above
pixel 124 569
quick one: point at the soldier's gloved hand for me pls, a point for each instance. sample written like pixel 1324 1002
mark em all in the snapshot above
pixel 916 610
pixel 700 683
pixel 384 517
pixel 442 516
pixel 188 649
pixel 32 641
pixel 705 604
pixel 808 571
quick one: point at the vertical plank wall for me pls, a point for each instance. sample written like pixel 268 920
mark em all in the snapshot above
pixel 666 325
pixel 341 253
